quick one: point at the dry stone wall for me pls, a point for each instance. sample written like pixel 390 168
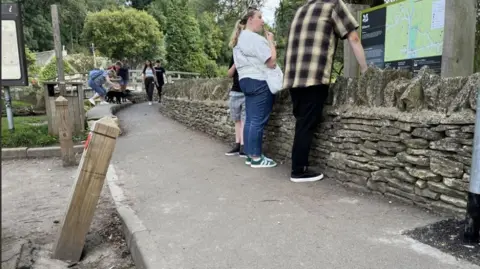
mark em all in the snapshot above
pixel 386 132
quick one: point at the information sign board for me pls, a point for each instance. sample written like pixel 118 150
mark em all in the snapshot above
pixel 14 64
pixel 406 34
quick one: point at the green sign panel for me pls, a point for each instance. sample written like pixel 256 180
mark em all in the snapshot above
pixel 406 34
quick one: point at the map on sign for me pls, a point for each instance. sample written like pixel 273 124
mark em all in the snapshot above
pixel 406 34
pixel 415 36
pixel 10 52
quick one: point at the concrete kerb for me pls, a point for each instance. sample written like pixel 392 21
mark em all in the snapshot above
pixel 31 153
pixel 136 234
pixel 54 151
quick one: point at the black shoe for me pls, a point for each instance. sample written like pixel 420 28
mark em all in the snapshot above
pixel 235 151
pixel 306 176
pixel 242 153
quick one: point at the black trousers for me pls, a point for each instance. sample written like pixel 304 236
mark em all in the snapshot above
pixel 307 108
pixel 159 89
pixel 149 86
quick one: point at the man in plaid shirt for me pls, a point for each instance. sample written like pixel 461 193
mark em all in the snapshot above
pixel 312 41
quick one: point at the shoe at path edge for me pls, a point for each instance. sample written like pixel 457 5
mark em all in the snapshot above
pixel 263 162
pixel 234 151
pixel 306 176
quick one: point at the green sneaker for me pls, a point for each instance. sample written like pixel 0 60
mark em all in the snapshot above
pixel 263 162
pixel 248 161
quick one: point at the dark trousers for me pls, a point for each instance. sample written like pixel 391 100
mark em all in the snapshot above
pixel 159 90
pixel 149 86
pixel 307 109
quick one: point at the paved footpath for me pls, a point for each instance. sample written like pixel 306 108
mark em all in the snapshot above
pixel 202 209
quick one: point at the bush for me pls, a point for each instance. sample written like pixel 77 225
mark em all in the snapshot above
pixel 81 62
pixel 211 69
pixel 49 72
pixel 30 132
pixel 222 71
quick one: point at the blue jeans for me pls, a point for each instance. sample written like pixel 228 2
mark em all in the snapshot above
pixel 258 105
pixel 97 88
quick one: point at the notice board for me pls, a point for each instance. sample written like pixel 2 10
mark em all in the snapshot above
pixel 406 34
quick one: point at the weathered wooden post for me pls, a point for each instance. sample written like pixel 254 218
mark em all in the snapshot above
pixel 64 131
pixel 57 41
pixel 459 38
pixel 86 190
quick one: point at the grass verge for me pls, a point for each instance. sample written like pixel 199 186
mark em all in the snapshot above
pixel 30 132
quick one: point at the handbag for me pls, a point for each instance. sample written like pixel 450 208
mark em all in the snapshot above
pixel 274 76
pixel 275 79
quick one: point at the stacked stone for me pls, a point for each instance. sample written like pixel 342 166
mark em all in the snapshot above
pixel 386 132
pixel 423 164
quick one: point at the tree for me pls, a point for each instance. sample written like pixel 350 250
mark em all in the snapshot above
pixel 158 9
pixel 37 20
pixel 183 39
pixel 140 4
pixel 212 35
pixel 126 33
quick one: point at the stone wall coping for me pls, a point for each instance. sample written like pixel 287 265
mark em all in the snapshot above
pixel 398 95
pixel 389 113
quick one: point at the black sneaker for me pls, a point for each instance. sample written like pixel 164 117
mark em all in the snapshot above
pixel 235 151
pixel 242 153
pixel 306 176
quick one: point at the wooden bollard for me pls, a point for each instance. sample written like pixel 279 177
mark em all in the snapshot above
pixel 87 187
pixel 62 118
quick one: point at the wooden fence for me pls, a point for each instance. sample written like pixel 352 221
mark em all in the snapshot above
pixel 135 82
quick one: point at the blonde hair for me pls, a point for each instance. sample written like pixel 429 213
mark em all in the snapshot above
pixel 241 25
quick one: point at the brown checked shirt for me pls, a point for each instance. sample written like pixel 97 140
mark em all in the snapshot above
pixel 312 40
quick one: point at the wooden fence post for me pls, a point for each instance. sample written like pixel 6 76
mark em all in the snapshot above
pixel 57 42
pixel 86 190
pixel 64 131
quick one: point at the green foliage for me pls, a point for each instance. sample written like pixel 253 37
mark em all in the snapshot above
pixel 38 21
pixel 126 33
pixel 211 34
pixel 49 72
pixel 81 63
pixel 222 71
pixel 211 69
pixel 158 10
pixel 32 66
pixel 25 134
pixel 283 18
pixel 30 132
pixel 183 39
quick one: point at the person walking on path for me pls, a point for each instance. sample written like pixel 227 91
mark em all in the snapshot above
pixel 311 45
pixel 96 79
pixel 253 55
pixel 149 80
pixel 237 101
pixel 160 74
